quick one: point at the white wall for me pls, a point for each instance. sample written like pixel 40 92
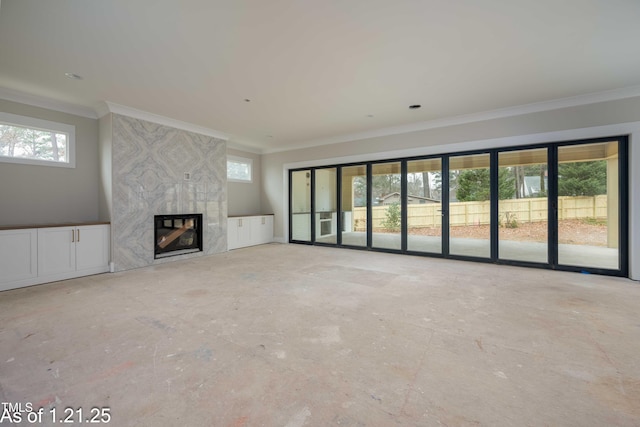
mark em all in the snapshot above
pixel 34 194
pixel 246 198
pixel 634 207
pixel 588 121
pixel 105 140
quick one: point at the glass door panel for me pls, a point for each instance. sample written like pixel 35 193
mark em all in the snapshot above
pixel 386 207
pixel 470 205
pixel 424 205
pixel 301 205
pixel 354 205
pixel 588 205
pixel 523 206
pixel 326 215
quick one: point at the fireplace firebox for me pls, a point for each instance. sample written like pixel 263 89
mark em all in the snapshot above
pixel 177 234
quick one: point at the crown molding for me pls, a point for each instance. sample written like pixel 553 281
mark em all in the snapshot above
pixel 556 104
pixel 241 146
pixel 48 103
pixel 162 120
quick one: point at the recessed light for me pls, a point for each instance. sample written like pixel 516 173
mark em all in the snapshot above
pixel 414 106
pixel 73 76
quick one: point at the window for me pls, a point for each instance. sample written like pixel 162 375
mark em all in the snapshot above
pixel 38 142
pixel 239 169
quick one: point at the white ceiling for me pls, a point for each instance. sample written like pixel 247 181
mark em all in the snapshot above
pixel 315 70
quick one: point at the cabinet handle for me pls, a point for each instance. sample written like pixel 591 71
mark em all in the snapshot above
pixel 73 236
pixel 78 235
pixel 240 222
pixel 263 221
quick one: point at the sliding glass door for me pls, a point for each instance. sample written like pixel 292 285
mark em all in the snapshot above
pixel 523 205
pixel 469 205
pixel 553 205
pixel 588 205
pixel 386 210
pixel 354 205
pixel 300 205
pixel 326 202
pixel 424 206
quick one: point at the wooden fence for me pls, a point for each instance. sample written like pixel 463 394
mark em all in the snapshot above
pixel 478 213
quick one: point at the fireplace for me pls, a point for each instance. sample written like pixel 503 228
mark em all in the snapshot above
pixel 177 234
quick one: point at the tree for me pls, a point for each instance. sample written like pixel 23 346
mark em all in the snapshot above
pixel 518 174
pixel 385 184
pixel 425 184
pixel 359 191
pixel 18 141
pixel 474 185
pixel 582 178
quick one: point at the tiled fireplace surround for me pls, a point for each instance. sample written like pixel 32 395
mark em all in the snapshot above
pixel 148 166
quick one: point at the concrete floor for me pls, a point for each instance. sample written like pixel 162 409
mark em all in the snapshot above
pixel 292 335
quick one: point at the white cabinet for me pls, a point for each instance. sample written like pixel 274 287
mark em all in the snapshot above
pixel 92 249
pixel 262 229
pixel 31 256
pixel 65 252
pixel 238 232
pixel 56 250
pixel 249 231
pixel 18 258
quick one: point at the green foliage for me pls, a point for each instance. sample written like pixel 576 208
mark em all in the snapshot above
pixel 474 185
pixel 582 178
pixel 392 217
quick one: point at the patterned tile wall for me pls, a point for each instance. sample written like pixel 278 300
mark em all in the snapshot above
pixel 149 163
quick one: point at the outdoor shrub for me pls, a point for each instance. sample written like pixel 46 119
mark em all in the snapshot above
pixel 392 217
pixel 511 220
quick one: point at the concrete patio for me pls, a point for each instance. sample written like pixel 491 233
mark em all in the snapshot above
pixel 574 255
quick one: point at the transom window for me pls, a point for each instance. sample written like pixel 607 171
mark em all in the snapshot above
pixel 33 141
pixel 239 169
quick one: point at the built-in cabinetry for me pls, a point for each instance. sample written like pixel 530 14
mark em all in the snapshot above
pixel 29 256
pixel 18 258
pixel 243 231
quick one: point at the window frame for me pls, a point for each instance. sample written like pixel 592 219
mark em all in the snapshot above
pixel 43 125
pixel 238 159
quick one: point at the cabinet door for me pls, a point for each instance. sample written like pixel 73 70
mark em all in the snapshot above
pixel 232 233
pixel 92 248
pixel 268 229
pixel 56 250
pixel 262 229
pixel 244 232
pixel 18 257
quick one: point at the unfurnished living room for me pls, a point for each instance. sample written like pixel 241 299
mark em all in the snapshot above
pixel 320 213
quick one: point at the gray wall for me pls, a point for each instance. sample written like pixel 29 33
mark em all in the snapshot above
pixel 31 194
pixel 560 124
pixel 245 198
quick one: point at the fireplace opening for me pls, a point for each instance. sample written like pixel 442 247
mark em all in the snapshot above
pixel 177 234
